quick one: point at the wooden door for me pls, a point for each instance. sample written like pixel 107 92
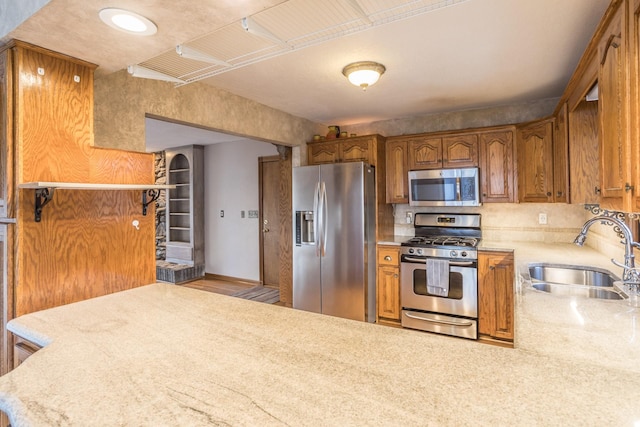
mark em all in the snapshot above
pixel 495 294
pixel 425 153
pixel 535 162
pixel 496 167
pixel 612 98
pixel 584 152
pixel 396 171
pixel 269 221
pixel 460 151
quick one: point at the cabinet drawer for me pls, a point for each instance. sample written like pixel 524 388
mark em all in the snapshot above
pixel 389 256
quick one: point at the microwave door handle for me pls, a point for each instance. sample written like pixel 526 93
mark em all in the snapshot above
pixel 458 195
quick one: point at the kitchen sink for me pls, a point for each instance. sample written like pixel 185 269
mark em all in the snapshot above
pixel 574 280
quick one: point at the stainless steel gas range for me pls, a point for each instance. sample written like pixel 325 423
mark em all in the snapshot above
pixel 439 274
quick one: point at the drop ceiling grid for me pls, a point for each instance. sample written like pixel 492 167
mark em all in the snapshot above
pixel 299 23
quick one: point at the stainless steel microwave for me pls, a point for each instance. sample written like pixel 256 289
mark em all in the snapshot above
pixel 444 187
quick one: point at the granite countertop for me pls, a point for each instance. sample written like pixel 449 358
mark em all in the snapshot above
pixel 167 355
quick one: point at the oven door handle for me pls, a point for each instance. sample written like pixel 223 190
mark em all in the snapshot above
pixel 453 263
pixel 444 322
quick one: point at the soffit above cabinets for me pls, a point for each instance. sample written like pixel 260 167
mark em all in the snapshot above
pixel 289 26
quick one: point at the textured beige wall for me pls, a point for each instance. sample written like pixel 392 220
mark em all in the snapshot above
pixel 464 119
pixel 121 102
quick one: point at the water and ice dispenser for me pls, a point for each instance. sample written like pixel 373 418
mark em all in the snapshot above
pixel 304 228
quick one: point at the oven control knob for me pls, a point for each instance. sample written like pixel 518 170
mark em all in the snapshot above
pixel 463 254
pixel 453 254
pixel 411 250
pixel 419 251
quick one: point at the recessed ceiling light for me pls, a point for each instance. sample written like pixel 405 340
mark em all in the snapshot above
pixel 127 21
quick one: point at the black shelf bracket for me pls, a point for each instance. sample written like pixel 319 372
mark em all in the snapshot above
pixel 153 194
pixel 43 196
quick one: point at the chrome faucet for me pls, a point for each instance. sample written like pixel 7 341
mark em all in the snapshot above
pixel 630 275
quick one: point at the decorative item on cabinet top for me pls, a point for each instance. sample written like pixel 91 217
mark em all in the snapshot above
pixel 44 192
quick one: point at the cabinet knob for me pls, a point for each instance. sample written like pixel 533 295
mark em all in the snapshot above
pixel 548 193
pixel 387 258
pixel 596 190
pixel 559 193
pixel 395 276
pixel 492 267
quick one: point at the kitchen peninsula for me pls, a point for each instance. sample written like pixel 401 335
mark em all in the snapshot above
pixel 166 355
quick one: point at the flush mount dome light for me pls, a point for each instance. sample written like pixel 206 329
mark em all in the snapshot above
pixel 364 73
pixel 127 21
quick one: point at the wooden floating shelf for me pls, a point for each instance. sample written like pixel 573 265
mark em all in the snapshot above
pixel 44 191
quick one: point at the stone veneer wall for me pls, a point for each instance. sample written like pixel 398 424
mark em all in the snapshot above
pixel 161 206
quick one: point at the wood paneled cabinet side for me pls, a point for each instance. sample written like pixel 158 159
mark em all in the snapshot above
pixel 561 157
pixel 388 285
pixel 535 161
pixel 460 151
pixel 634 42
pixel 496 295
pixel 396 154
pixel 496 166
pixel 612 98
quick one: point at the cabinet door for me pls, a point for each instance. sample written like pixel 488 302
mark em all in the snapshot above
pixel 396 169
pixel 496 167
pixel 495 294
pixel 323 152
pixel 388 298
pixel 425 153
pixel 584 152
pixel 356 151
pixel 612 98
pixel 535 162
pixel 560 157
pixel 460 151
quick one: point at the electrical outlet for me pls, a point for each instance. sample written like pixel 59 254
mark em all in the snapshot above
pixel 253 214
pixel 409 218
pixel 241 214
pixel 542 218
pixel 221 213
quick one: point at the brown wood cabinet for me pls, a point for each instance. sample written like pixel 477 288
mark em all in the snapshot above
pixel 634 55
pixel 396 154
pixel 497 166
pixel 388 286
pixel 84 246
pixel 612 110
pixel 455 151
pixel 561 157
pixel 22 350
pixel 535 161
pixel 496 295
pixel 355 149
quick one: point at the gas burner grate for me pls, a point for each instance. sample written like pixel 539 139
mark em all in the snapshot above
pixel 468 242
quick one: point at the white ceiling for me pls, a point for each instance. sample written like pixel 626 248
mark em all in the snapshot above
pixel 475 54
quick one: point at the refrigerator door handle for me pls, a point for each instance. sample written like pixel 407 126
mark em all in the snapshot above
pixel 325 214
pixel 316 218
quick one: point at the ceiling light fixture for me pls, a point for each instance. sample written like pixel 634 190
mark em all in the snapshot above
pixel 127 21
pixel 251 26
pixel 147 73
pixel 363 73
pixel 190 53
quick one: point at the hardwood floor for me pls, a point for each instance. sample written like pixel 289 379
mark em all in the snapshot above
pixel 220 287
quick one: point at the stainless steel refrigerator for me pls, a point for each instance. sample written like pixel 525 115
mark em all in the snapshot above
pixel 334 240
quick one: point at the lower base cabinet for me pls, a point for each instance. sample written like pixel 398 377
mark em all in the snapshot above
pixel 22 349
pixel 496 296
pixel 388 286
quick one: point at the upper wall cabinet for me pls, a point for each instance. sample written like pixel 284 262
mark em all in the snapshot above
pixel 355 149
pixel 612 110
pixel 561 157
pixel 396 154
pixel 535 162
pixel 455 151
pixel 497 166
